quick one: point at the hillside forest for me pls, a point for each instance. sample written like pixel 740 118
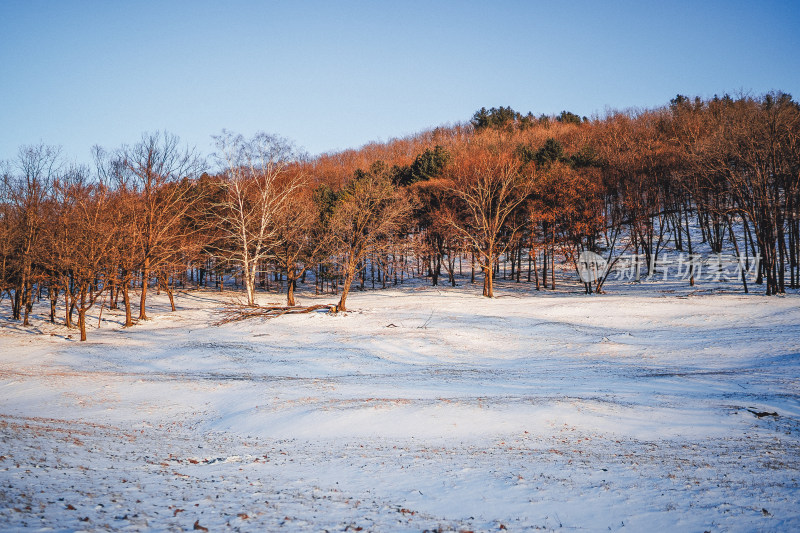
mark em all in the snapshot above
pixel 504 194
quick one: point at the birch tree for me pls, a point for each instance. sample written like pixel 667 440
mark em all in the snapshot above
pixel 257 186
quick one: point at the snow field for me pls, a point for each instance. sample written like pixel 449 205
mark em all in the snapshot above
pixel 423 408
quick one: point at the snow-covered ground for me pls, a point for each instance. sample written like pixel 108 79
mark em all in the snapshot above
pixel 422 408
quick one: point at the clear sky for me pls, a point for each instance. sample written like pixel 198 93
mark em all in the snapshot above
pixel 334 75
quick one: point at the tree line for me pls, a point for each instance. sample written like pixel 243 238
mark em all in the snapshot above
pixel 502 189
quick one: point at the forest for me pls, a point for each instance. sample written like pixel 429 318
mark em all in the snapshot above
pixel 502 194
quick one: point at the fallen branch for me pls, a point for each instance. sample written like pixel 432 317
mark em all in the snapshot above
pixel 762 414
pixel 237 312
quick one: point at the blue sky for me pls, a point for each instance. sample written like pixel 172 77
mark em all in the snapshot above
pixel 335 75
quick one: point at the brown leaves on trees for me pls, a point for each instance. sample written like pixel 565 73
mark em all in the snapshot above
pixel 158 173
pixel 489 185
pixel 368 213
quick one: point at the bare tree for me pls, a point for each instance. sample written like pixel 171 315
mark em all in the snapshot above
pixel 489 186
pixel 124 255
pixel 28 193
pixel 159 177
pixel 58 241
pixel 368 213
pixel 8 231
pixel 257 188
pixel 301 239
pixel 92 238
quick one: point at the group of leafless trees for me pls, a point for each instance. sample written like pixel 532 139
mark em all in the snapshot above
pixel 504 189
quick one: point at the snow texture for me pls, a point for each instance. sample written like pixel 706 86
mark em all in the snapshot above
pixel 423 408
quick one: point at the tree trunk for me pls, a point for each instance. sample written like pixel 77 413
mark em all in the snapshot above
pixel 169 292
pixel 53 294
pixel 488 282
pixel 28 303
pixel 472 274
pixel 348 280
pixel 291 282
pixel 544 268
pixel 738 255
pixel 249 279
pixel 82 314
pixel 16 308
pixel 145 279
pixel 126 298
pixel 488 277
pixel 112 300
pixel 68 306
pixel 435 268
